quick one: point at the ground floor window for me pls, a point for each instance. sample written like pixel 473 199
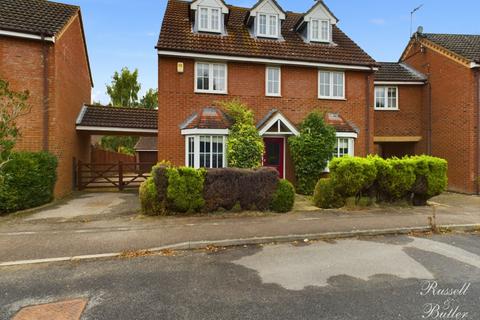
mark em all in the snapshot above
pixel 344 147
pixel 205 151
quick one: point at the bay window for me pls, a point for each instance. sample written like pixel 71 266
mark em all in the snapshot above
pixel 205 151
pixel 331 85
pixel 343 147
pixel 386 98
pixel 209 19
pixel 211 77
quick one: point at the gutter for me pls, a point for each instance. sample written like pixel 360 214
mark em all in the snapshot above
pixel 26 36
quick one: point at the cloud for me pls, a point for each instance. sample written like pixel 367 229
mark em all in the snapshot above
pixel 377 21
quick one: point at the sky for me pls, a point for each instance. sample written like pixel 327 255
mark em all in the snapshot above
pixel 123 33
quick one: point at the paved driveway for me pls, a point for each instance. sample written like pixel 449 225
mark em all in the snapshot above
pixel 88 206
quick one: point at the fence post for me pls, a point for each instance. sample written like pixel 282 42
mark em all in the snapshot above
pixel 120 175
pixel 79 175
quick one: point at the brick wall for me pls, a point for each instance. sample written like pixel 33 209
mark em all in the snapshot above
pixel 246 81
pixel 453 114
pixel 21 63
pixel 409 120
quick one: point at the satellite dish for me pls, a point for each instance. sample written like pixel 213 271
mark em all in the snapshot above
pixel 420 30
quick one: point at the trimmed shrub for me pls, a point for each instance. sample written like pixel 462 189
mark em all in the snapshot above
pixel 352 175
pixel 283 198
pixel 244 143
pixel 149 201
pixel 325 196
pixel 27 181
pixel 395 178
pixel 431 178
pixel 185 189
pixel 311 151
pixel 251 189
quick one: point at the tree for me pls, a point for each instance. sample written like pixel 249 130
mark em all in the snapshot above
pixel 13 105
pixel 244 144
pixel 121 144
pixel 150 99
pixel 124 88
pixel 311 150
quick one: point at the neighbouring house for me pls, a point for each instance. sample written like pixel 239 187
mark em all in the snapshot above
pixel 429 103
pixel 283 65
pixel 43 50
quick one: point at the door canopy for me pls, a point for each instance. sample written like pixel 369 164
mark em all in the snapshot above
pixel 276 124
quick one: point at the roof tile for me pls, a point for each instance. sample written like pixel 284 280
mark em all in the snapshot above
pixel 394 71
pixel 465 45
pixel 115 117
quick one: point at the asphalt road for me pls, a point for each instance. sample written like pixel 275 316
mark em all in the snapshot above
pixel 377 278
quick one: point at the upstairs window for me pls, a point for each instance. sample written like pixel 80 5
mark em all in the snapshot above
pixel 386 98
pixel 273 81
pixel 209 19
pixel 320 30
pixel 267 25
pixel 331 85
pixel 211 77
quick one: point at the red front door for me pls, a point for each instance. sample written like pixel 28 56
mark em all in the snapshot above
pixel 273 156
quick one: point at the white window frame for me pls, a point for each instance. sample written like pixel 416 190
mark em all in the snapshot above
pixel 210 15
pixel 196 147
pixel 350 146
pixel 210 78
pixel 267 80
pixel 331 96
pixel 319 38
pixel 268 16
pixel 386 100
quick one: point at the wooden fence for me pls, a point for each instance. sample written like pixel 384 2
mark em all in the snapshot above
pixel 104 156
pixel 120 175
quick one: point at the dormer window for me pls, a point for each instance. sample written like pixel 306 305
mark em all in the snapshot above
pixel 319 30
pixel 267 25
pixel 209 19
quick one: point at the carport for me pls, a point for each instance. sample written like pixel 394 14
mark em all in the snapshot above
pixel 108 120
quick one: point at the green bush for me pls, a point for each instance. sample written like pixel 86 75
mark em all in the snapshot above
pixel 27 181
pixel 325 195
pixel 244 143
pixel 185 189
pixel 432 180
pixel 149 201
pixel 283 198
pixel 395 177
pixel 311 151
pixel 352 175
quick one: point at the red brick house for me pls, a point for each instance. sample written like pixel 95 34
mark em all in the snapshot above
pixel 282 64
pixel 43 50
pixel 451 102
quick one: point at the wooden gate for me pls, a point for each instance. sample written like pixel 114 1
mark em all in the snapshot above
pixel 118 175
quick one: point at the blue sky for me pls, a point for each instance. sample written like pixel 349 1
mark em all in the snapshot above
pixel 124 32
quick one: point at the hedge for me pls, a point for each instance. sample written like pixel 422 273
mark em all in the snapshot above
pixel 27 181
pixel 414 179
pixel 187 190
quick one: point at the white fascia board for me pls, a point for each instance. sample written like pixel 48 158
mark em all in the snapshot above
pixel 115 129
pixel 347 135
pixel 262 60
pixel 273 120
pixel 188 132
pixel 25 35
pixel 394 83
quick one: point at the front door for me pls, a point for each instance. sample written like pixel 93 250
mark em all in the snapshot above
pixel 273 156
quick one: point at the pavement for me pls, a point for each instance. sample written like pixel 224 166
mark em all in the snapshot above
pixel 80 226
pixel 383 278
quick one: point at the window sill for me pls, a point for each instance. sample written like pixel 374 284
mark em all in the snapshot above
pixel 332 98
pixel 273 95
pixel 211 92
pixel 385 109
